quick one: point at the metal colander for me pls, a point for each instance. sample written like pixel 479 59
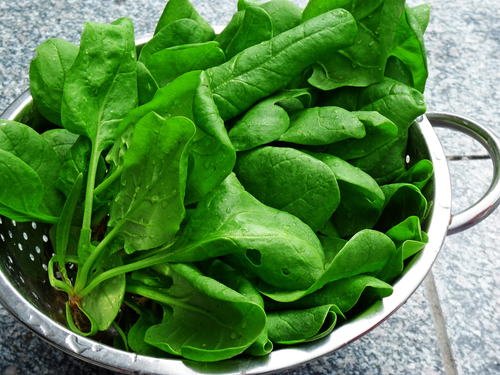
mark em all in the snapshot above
pixel 25 251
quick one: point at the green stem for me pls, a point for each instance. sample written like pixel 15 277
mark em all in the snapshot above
pixel 144 263
pixel 58 283
pixel 122 335
pixel 72 259
pixel 84 271
pixel 89 194
pixel 108 181
pixel 154 294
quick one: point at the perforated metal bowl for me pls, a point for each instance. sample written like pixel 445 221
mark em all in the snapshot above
pixel 25 251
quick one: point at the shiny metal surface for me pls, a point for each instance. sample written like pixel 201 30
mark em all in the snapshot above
pixel 490 201
pixel 25 250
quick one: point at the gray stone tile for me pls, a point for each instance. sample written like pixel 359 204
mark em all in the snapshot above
pixel 463 46
pixel 467 275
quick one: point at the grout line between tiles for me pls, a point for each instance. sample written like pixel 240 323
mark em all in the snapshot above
pixel 450 365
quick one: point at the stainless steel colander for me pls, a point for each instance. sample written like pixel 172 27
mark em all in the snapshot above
pixel 25 251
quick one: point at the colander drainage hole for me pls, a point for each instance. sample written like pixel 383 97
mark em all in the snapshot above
pixel 45 268
pixel 14 223
pixel 10 234
pixel 25 236
pixel 33 224
pixel 9 259
pixel 37 249
pixel 32 257
pixel 1 222
pixel 20 246
pixel 2 237
pixel 45 238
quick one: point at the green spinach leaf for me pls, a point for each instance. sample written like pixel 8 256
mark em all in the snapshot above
pixel 30 147
pixel 363 63
pixel 291 181
pixel 216 322
pixel 179 9
pixel 61 141
pixel 265 68
pixel 149 207
pixel 295 326
pixel 361 199
pixel 146 84
pixel 183 59
pixel 323 125
pixel 47 76
pixel 267 120
pixel 177 33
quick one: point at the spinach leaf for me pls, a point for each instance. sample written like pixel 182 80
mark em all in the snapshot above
pixel 149 207
pixel 409 240
pixel 183 59
pixel 146 84
pixel 291 181
pixel 418 175
pixel 30 147
pixel 397 102
pixel 208 321
pixel 265 68
pixel 256 27
pixel 274 245
pixel 21 191
pixel 367 251
pixel 422 15
pixel 177 33
pixel 105 300
pixel 244 4
pixel 295 326
pixel 361 199
pixel 179 9
pixel 398 71
pixel 408 236
pixel 285 15
pixel 47 75
pixel 408 46
pixel 61 141
pixel 100 89
pixel 259 22
pixel 344 293
pixel 401 201
pixel 363 63
pixel 226 36
pixel 267 120
pixel 135 336
pixel 322 126
pixel 379 131
pixel 212 155
pixel 233 279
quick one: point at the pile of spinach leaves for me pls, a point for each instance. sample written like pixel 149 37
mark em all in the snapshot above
pixel 223 194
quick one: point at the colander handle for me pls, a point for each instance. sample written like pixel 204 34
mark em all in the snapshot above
pixel 491 199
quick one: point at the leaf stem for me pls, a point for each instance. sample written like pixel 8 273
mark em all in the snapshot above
pixel 83 272
pixel 89 194
pixel 108 181
pixel 144 263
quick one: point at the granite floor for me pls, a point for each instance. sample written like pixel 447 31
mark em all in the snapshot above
pixel 451 325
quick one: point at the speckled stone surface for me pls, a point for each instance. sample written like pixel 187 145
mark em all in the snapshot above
pixel 463 43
